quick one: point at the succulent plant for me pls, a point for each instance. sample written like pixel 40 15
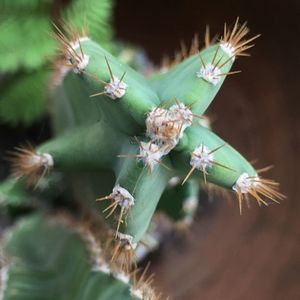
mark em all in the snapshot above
pixel 127 147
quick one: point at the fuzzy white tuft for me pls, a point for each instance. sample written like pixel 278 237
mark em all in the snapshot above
pixel 228 49
pixel 201 158
pixel 173 181
pixel 115 88
pixel 244 184
pixel 122 277
pixel 165 127
pixel 82 64
pixel 138 293
pixel 124 237
pixel 76 44
pixel 40 159
pixel 210 73
pixel 150 154
pixel 190 205
pixel 122 197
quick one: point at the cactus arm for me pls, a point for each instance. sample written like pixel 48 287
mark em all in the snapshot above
pixel 138 98
pixel 48 259
pixel 73 106
pixel 226 156
pixel 183 82
pixel 146 187
pixel 85 148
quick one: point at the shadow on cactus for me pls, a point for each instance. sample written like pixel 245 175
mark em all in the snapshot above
pixel 129 146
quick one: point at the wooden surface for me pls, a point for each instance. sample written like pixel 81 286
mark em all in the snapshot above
pixel 227 256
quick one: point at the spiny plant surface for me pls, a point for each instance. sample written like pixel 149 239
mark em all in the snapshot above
pixel 129 146
pixel 71 264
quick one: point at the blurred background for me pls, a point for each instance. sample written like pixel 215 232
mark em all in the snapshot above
pixel 225 255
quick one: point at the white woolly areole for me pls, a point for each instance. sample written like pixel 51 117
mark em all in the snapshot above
pixel 122 197
pixel 155 119
pixel 103 268
pixel 138 293
pixel 174 181
pixel 124 237
pixel 182 113
pixel 166 126
pixel 44 159
pixel 201 158
pixel 190 205
pixel 60 74
pixel 76 44
pixel 244 184
pixel 115 88
pixel 228 48
pixel 122 277
pixel 82 64
pixel 150 154
pixel 210 73
pixel 4 275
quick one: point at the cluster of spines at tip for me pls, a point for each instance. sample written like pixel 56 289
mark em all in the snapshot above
pixel 261 189
pixel 69 57
pixel 102 260
pixel 30 165
pixel 233 42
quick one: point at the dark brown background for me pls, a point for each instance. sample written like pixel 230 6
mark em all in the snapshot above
pixel 227 256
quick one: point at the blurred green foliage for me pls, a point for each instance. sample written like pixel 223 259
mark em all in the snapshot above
pixel 26 46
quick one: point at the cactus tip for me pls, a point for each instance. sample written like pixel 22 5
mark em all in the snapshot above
pixel 68 55
pixel 30 164
pixel 258 188
pixel 233 41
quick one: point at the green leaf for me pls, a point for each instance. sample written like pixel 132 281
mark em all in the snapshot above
pixel 23 99
pixel 20 5
pixel 24 41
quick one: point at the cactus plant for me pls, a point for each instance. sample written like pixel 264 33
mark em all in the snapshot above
pixel 121 142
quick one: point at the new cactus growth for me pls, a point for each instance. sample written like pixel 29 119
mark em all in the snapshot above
pixel 121 139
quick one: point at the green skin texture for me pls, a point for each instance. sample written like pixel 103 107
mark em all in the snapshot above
pixel 177 195
pixel 91 132
pixel 50 261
